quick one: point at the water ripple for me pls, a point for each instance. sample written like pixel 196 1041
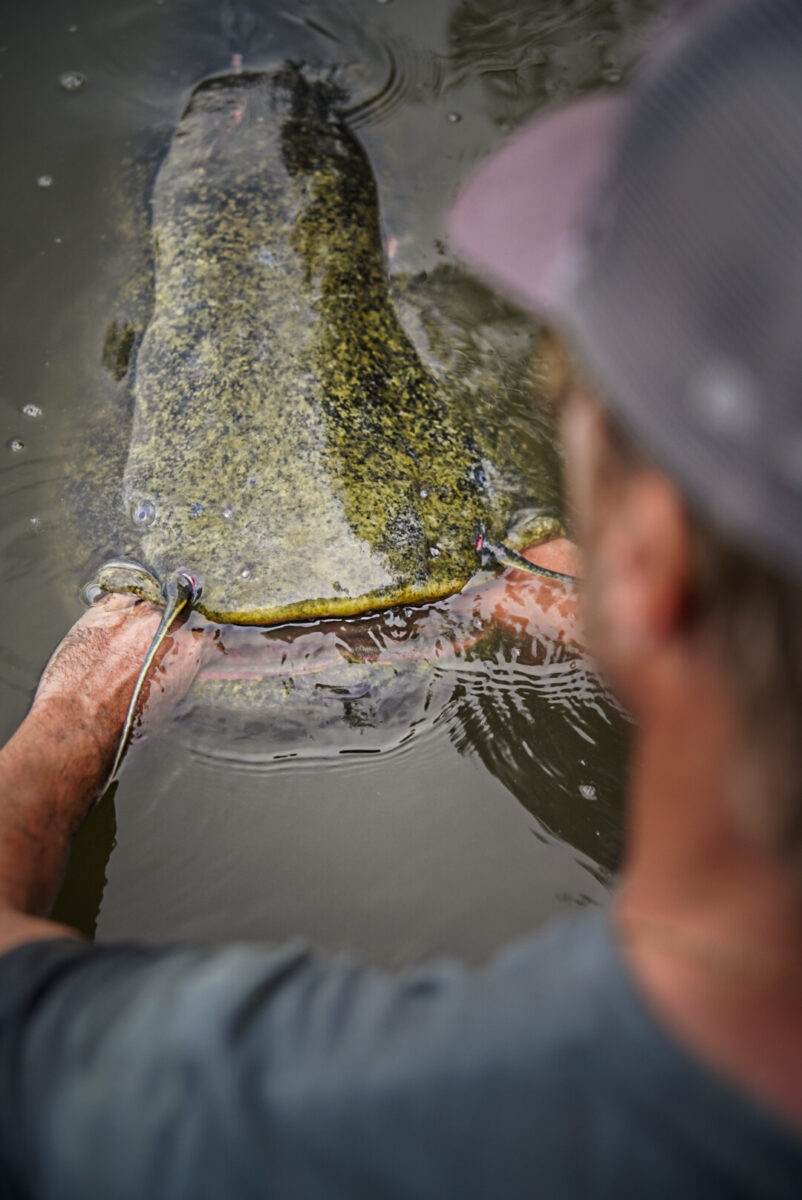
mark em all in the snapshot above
pixel 410 74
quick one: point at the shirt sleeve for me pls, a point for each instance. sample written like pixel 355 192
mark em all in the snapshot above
pixel 136 1072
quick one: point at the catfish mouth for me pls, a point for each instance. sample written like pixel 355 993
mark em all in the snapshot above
pixel 322 690
pixel 392 637
pixel 390 640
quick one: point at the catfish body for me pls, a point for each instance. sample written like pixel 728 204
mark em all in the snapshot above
pixel 288 446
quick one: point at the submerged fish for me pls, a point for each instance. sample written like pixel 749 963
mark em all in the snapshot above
pixel 289 447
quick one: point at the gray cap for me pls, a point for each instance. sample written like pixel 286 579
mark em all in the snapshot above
pixel 663 229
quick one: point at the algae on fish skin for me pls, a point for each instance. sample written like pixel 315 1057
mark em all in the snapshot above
pixel 288 445
pixel 118 346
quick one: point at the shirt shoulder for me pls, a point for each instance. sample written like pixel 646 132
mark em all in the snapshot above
pixel 144 1069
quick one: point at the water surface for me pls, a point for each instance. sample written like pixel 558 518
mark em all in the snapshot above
pixel 466 801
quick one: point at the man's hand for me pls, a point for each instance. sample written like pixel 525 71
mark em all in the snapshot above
pixel 533 608
pixel 56 764
pixel 94 669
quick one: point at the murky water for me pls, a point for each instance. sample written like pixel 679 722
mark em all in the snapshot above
pixel 443 806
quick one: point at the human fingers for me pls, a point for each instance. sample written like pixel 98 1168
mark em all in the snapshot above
pixel 96 665
pixel 110 637
pixel 184 652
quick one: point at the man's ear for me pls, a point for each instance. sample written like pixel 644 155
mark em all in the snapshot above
pixel 643 563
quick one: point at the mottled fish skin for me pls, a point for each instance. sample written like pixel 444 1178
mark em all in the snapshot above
pixel 288 445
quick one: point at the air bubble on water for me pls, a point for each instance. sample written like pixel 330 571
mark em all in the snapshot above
pixel 32 410
pixel 423 493
pixel 34 523
pixel 15 445
pixel 72 29
pixel 611 75
pixel 587 791
pixel 143 514
pixel 227 512
pixel 58 241
pixel 44 181
pixel 454 117
pixel 71 81
pixel 245 573
pixel 434 551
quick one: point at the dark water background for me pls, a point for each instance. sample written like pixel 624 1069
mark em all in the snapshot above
pixel 460 809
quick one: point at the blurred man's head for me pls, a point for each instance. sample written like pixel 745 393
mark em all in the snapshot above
pixel 665 592
pixel 662 233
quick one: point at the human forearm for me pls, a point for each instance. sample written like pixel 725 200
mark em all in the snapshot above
pixel 54 767
pixel 529 607
pixel 51 772
pixel 56 764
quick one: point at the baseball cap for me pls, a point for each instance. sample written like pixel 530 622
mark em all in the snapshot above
pixel 661 229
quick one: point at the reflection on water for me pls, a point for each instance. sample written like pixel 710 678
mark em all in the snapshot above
pixel 458 790
pixel 526 56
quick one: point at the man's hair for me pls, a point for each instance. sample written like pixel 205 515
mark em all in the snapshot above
pixel 750 615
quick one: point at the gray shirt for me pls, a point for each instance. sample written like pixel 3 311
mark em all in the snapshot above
pixel 243 1072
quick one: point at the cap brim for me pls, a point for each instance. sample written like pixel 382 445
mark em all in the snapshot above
pixel 519 219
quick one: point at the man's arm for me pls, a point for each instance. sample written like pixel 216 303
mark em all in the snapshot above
pixel 532 607
pixel 55 766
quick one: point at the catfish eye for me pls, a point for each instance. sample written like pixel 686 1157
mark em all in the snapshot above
pixel 143 514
